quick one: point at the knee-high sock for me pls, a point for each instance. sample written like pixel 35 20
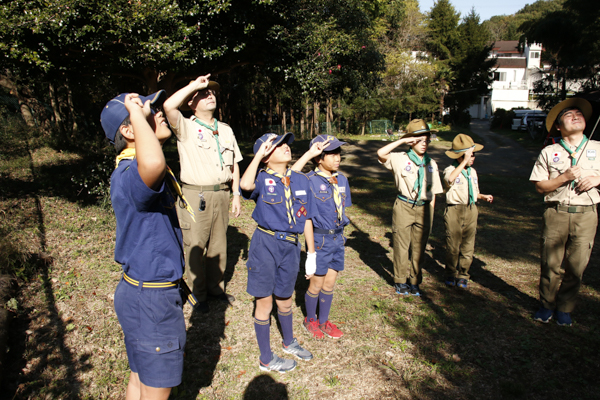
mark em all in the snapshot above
pixel 325 299
pixel 263 337
pixel 287 329
pixel 311 301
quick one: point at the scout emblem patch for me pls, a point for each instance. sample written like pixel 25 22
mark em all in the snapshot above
pixel 271 189
pixel 200 135
pixel 323 187
pixel 457 180
pixel 556 156
pixel 430 168
pixel 408 166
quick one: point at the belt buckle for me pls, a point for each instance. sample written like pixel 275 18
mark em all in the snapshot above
pixel 280 235
pixel 572 209
pixel 331 231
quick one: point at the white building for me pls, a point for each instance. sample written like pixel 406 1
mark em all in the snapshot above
pixel 514 76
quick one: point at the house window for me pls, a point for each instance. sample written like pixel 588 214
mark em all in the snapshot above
pixel 535 54
pixel 500 76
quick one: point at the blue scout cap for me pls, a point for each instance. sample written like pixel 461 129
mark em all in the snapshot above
pixel 114 112
pixel 285 138
pixel 334 142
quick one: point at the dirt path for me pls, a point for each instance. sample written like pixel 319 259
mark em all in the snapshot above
pixel 500 155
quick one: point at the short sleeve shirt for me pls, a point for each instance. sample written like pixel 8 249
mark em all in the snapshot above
pixel 554 160
pixel 199 152
pixel 271 212
pixel 405 175
pixel 458 191
pixel 149 242
pixel 322 190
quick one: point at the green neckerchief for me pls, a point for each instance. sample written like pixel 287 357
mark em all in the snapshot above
pixel 215 132
pixel 466 172
pixel 573 154
pixel 421 175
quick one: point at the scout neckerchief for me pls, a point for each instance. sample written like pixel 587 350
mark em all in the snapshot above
pixel 466 172
pixel 287 190
pixel 215 132
pixel 129 154
pixel 336 191
pixel 573 154
pixel 421 175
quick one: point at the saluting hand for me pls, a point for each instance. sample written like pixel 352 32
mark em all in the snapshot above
pixel 266 148
pixel 318 148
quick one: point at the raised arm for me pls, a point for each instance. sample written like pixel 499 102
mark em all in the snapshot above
pixel 383 154
pixel 456 172
pixel 148 151
pixel 551 185
pixel 314 151
pixel 172 104
pixel 248 180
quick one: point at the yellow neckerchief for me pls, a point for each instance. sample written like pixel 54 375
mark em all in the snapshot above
pixel 288 192
pixel 129 154
pixel 337 199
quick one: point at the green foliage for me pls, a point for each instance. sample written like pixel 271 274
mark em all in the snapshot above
pixel 502 119
pixel 94 179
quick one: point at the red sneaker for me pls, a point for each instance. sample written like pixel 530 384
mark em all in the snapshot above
pixel 312 327
pixel 331 330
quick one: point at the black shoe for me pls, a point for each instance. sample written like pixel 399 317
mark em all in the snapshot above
pixel 224 298
pixel 202 307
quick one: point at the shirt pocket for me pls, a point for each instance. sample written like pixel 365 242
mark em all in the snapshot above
pixel 227 153
pixel 324 195
pixel 557 169
pixel 272 199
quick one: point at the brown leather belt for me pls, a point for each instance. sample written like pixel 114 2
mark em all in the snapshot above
pixel 209 188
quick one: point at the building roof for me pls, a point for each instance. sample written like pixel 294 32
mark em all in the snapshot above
pixel 506 46
pixel 511 62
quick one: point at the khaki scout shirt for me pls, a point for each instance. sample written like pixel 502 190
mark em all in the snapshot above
pixel 406 172
pixel 198 152
pixel 458 191
pixel 555 160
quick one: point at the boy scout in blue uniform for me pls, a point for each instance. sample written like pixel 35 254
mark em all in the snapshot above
pixel 332 194
pixel 418 181
pixel 460 216
pixel 284 209
pixel 568 174
pixel 148 301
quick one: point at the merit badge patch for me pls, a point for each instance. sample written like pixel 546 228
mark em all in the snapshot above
pixel 301 212
pixel 270 182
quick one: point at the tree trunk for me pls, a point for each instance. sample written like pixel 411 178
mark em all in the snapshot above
pixel 74 126
pixel 308 121
pixel 283 120
pixel 329 115
pixel 292 121
pixel 55 107
pixel 316 106
pixel 364 125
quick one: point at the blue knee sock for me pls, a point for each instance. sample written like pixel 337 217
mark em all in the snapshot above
pixel 263 337
pixel 325 299
pixel 311 301
pixel 285 319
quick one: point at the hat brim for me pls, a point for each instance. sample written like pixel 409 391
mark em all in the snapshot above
pixel 422 132
pixel 582 104
pixel 334 146
pixel 212 85
pixel 287 138
pixel 458 154
pixel 157 99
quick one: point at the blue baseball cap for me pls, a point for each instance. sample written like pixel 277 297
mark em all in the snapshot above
pixel 334 142
pixel 285 138
pixel 114 112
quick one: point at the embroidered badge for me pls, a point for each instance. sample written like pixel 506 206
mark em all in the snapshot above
pixel 408 166
pixel 430 168
pixel 302 211
pixel 342 189
pixel 457 180
pixel 200 135
pixel 271 189
pixel 270 182
pixel 556 156
pixel 323 187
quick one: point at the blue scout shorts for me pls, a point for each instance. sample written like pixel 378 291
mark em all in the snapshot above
pixel 273 266
pixel 330 252
pixel 154 327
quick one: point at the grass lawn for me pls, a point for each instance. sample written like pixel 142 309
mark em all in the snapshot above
pixel 66 342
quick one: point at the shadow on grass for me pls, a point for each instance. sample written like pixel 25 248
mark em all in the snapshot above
pixel 263 387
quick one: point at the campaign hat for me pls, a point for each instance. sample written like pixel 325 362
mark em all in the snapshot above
pixel 114 112
pixel 461 144
pixel 418 127
pixel 581 104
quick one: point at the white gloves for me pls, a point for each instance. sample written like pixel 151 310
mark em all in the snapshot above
pixel 311 263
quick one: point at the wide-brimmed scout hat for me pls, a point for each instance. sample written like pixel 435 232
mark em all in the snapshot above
pixel 212 85
pixel 285 138
pixel 114 112
pixel 418 127
pixel 334 142
pixel 582 104
pixel 461 144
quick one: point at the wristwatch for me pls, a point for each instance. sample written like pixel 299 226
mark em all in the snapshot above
pixel 236 193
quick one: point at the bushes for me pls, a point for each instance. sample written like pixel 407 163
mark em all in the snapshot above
pixel 502 119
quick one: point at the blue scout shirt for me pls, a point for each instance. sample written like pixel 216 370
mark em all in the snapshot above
pixel 323 192
pixel 149 242
pixel 270 211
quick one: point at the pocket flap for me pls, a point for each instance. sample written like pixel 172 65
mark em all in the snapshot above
pixel 159 346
